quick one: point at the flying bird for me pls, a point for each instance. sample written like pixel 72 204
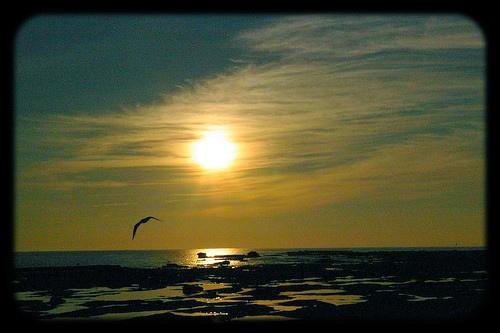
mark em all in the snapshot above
pixel 144 220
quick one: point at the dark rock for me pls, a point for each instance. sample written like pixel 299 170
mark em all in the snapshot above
pixel 253 254
pixel 172 266
pixel 230 256
pixel 189 289
pixel 312 310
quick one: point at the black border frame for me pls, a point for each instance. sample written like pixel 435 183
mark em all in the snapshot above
pixel 485 19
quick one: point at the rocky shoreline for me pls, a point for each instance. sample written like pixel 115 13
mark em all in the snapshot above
pixel 342 286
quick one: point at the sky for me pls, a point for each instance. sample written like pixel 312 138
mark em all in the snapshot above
pixel 350 131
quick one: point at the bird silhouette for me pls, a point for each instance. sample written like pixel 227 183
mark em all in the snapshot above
pixel 144 220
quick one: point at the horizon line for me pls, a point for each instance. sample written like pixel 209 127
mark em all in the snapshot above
pixel 269 248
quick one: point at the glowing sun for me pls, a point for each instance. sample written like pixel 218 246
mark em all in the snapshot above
pixel 214 151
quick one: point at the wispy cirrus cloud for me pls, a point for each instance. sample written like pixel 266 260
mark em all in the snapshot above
pixel 353 36
pixel 334 108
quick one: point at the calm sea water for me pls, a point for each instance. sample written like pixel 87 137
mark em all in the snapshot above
pixel 158 258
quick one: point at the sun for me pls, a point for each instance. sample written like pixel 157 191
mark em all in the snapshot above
pixel 214 151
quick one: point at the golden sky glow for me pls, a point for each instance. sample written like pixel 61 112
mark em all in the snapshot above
pixel 284 131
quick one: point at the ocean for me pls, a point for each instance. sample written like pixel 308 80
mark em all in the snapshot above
pixel 188 257
pixel 230 284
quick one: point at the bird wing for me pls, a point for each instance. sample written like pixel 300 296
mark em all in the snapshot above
pixel 144 220
pixel 135 228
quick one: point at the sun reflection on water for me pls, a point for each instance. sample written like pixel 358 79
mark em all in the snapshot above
pixel 219 256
